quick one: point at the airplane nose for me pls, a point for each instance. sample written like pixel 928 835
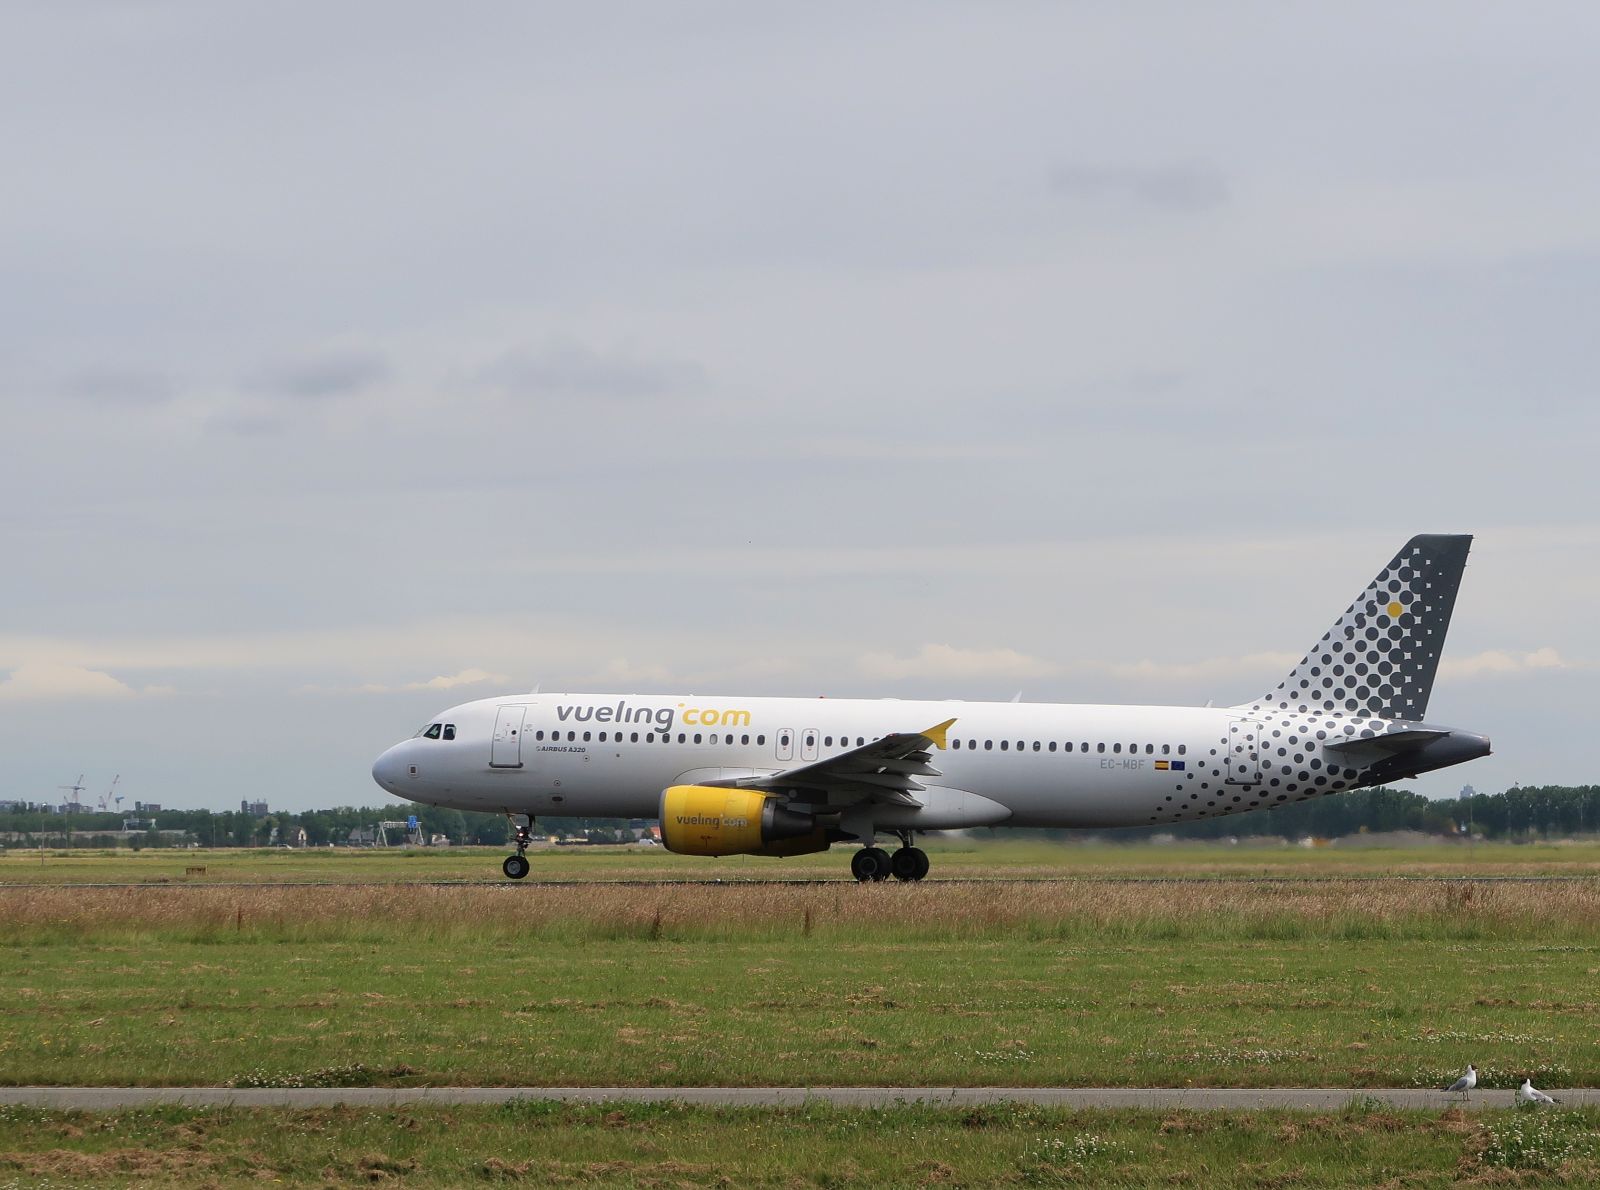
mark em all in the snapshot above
pixel 387 769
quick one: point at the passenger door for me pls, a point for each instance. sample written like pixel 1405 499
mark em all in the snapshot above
pixel 1244 754
pixel 505 749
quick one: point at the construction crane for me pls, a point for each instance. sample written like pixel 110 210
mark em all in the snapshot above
pixel 76 789
pixel 105 798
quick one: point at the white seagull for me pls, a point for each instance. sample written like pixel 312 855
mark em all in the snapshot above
pixel 1466 1082
pixel 1529 1093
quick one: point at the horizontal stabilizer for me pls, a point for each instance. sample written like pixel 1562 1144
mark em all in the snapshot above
pixel 1408 740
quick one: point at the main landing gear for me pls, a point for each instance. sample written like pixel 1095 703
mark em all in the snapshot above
pixel 874 863
pixel 516 866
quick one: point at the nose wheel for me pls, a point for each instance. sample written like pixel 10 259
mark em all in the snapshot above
pixel 516 866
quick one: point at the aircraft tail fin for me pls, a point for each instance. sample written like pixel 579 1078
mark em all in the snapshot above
pixel 1380 657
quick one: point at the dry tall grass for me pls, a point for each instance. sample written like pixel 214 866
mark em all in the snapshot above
pixel 1070 909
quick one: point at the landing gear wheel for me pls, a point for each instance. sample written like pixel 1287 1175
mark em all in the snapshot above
pixel 909 863
pixel 870 863
pixel 516 866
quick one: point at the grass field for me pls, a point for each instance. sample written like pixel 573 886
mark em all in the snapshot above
pixel 1128 966
pixel 1370 982
pixel 952 859
pixel 664 1145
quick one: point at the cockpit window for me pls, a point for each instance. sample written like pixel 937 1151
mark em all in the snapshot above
pixel 433 731
pixel 449 731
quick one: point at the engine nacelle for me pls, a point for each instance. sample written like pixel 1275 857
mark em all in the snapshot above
pixel 709 820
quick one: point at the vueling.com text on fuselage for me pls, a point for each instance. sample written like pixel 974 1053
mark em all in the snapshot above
pixel 659 718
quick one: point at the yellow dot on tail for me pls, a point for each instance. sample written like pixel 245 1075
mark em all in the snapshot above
pixel 1394 609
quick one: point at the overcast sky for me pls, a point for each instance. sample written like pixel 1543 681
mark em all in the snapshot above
pixel 359 359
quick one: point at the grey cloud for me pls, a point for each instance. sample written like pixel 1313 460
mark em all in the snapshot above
pixel 1184 189
pixel 120 386
pixel 335 374
pixel 572 369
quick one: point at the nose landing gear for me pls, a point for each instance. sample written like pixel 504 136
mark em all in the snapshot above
pixel 516 866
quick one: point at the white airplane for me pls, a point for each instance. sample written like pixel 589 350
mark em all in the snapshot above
pixel 786 776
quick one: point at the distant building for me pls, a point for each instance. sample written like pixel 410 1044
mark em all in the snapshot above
pixel 255 809
pixel 147 807
pixel 1467 791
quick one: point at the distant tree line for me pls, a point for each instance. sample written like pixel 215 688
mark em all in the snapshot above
pixel 1524 812
pixel 234 828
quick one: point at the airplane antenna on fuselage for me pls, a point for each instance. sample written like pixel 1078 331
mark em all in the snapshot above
pixel 1017 697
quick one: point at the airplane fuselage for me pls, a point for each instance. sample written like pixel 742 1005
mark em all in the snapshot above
pixel 1027 764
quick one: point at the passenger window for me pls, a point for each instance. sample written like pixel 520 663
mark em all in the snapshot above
pixel 586 737
pixel 1182 748
pixel 433 731
pixel 1005 745
pixel 697 737
pixel 649 737
pixel 744 739
pixel 539 735
pixel 1166 749
pixel 633 737
pixel 1052 745
pixel 1149 748
pixel 571 735
pixel 1099 747
pixel 761 739
pixel 827 741
pixel 681 737
pixel 988 745
pixel 1116 747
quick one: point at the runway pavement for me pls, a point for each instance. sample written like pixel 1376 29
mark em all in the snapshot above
pixel 1163 1098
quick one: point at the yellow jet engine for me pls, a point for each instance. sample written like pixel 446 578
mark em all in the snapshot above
pixel 708 820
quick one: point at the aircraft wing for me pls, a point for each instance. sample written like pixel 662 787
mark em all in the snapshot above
pixel 884 771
